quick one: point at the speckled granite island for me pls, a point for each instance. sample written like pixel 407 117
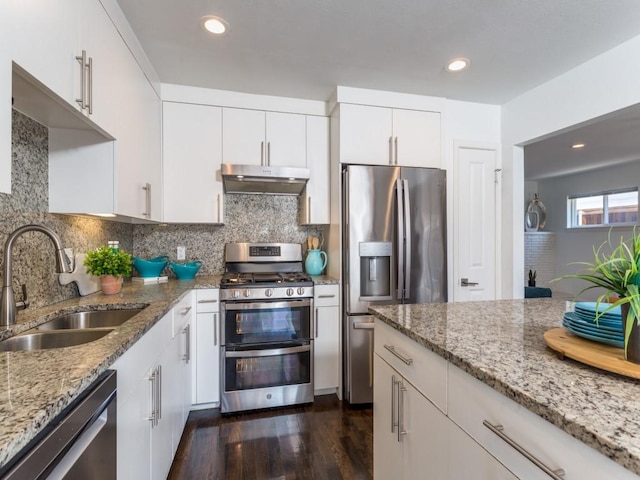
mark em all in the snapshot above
pixel 35 386
pixel 501 344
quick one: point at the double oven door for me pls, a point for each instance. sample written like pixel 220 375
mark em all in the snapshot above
pixel 267 353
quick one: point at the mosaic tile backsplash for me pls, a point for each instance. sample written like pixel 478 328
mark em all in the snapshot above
pixel 249 218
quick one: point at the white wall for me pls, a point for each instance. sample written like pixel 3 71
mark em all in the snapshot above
pixel 576 245
pixel 602 85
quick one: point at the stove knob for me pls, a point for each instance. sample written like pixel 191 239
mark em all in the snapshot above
pixel 289 292
pixel 268 292
pixel 247 293
pixel 236 293
pixel 300 291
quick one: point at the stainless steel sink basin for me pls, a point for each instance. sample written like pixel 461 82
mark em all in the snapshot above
pixel 92 319
pixel 52 339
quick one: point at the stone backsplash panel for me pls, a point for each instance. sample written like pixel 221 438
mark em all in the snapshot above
pixel 248 218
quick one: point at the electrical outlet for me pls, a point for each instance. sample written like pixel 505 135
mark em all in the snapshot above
pixel 182 253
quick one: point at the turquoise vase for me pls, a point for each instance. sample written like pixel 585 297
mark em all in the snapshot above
pixel 315 262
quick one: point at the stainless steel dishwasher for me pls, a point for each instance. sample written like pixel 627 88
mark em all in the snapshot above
pixel 80 444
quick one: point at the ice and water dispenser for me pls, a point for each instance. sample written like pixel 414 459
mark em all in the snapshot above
pixel 375 271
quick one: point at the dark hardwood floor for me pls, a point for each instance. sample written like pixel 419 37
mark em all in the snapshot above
pixel 326 440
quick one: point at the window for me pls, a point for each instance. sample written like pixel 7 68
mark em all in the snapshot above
pixel 618 207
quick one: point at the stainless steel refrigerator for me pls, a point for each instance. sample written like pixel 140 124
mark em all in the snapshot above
pixel 394 251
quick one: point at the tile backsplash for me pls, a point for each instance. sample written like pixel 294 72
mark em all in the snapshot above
pixel 248 218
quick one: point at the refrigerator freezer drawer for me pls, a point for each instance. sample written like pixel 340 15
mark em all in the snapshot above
pixel 359 365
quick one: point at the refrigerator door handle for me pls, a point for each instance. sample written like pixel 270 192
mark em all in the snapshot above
pixel 407 236
pixel 400 263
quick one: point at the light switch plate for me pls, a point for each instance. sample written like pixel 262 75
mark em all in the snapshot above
pixel 181 254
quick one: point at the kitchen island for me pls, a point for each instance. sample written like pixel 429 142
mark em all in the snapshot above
pixel 38 385
pixel 500 343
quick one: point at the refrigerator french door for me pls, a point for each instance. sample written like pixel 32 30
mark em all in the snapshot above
pixel 394 251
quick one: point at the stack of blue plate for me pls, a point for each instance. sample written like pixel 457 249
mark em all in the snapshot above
pixel 607 330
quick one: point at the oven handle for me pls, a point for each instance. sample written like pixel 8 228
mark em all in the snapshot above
pixel 266 305
pixel 267 353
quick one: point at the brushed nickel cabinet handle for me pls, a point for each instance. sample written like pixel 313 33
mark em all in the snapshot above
pixel 557 474
pixel 187 351
pixel 405 360
pixel 152 383
pixel 82 60
pixel 396 152
pixel 309 210
pixel 316 324
pixel 390 150
pixel 90 86
pixel 147 200
pixel 401 430
pixel 208 301
pixel 327 296
pixel 159 392
pixel 215 329
pixel 393 404
pixel 262 153
pixel 186 311
pixel 218 208
pixel 269 154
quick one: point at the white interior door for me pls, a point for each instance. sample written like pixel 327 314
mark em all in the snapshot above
pixel 476 229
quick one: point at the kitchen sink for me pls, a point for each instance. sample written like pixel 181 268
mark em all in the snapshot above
pixel 52 339
pixel 91 319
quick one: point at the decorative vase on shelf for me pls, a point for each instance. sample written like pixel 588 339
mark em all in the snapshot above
pixel 111 284
pixel 632 345
pixel 315 262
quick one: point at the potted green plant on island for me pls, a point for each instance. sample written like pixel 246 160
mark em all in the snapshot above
pixel 532 278
pixel 111 265
pixel 617 273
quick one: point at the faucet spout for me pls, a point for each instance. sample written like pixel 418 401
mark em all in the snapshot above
pixel 8 305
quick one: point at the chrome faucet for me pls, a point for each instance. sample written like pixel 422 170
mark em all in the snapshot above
pixel 8 306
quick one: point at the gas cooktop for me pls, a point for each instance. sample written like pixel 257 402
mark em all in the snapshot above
pixel 255 279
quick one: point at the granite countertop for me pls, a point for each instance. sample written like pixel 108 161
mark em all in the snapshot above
pixel 324 280
pixel 35 386
pixel 501 343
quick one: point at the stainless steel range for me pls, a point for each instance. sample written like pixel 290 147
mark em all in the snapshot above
pixel 266 303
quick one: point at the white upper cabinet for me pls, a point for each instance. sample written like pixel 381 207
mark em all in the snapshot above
pixel 255 137
pixel 5 100
pixel 416 138
pixel 286 140
pixel 389 136
pixel 44 42
pixel 243 136
pixel 192 154
pixel 314 201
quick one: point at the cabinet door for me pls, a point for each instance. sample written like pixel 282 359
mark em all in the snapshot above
pixel 467 459
pixel 387 450
pixel 286 140
pixel 44 42
pixel 102 43
pixel 138 144
pixel 207 360
pixel 192 154
pixel 243 133
pixel 365 134
pixel 161 432
pixel 416 138
pixel 182 381
pixel 326 348
pixel 134 438
pixel 314 202
pixel 425 446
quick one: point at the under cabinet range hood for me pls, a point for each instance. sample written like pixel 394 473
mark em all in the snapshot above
pixel 263 179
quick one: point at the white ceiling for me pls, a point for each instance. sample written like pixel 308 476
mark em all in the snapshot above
pixel 305 48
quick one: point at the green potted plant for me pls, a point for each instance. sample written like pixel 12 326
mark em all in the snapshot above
pixel 111 265
pixel 532 278
pixel 618 274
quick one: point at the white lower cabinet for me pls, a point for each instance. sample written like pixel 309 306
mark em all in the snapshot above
pixel 206 349
pixel 326 345
pixel 453 426
pixel 152 378
pixel 409 440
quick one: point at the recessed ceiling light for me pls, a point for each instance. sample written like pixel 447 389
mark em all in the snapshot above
pixel 215 25
pixel 458 64
pixel 577 145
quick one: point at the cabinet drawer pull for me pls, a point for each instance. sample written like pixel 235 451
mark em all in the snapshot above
pixel 499 431
pixel 405 360
pixel 185 311
pixel 327 296
pixel 207 301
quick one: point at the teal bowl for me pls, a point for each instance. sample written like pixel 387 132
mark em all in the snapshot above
pixel 150 268
pixel 186 271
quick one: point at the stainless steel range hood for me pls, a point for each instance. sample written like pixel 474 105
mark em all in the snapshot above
pixel 263 179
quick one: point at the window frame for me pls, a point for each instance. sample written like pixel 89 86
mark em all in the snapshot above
pixel 572 212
